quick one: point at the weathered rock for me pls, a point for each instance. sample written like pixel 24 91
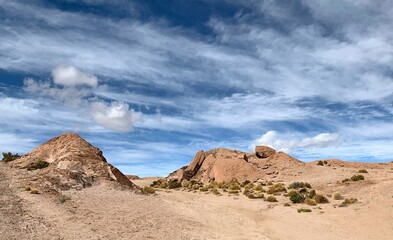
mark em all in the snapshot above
pixel 73 164
pixel 264 151
pixel 194 166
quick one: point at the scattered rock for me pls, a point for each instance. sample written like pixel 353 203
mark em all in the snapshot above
pixel 264 151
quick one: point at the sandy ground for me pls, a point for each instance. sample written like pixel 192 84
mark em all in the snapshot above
pixel 103 213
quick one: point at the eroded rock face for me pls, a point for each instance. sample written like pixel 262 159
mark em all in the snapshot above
pixel 264 151
pixel 73 164
pixel 194 166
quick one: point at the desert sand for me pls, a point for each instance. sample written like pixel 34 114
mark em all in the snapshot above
pixel 106 210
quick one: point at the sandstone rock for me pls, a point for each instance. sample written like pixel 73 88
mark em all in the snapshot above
pixel 264 151
pixel 194 166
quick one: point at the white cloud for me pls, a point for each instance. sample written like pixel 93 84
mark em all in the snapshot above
pixel 272 139
pixel 116 116
pixel 71 76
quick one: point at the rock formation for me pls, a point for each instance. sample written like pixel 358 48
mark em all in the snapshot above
pixel 224 165
pixel 71 163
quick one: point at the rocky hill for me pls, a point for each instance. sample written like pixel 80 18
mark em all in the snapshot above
pixel 68 162
pixel 224 165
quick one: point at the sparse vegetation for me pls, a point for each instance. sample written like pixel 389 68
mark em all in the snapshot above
pixel 346 180
pixel 363 171
pixel 258 187
pixel 271 199
pixel 27 188
pixel 8 157
pixel 149 190
pixel 297 185
pixel 357 178
pixel 287 204
pixel 204 189
pixel 320 199
pixel 34 191
pixel 312 193
pixel 215 191
pixel 38 165
pixel 279 187
pixel 174 184
pixel 320 163
pixel 164 185
pixel 300 210
pixel 337 196
pixel 64 198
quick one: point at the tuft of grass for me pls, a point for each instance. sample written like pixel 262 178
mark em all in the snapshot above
pixel 215 191
pixel 27 188
pixel 320 199
pixel 300 210
pixel 163 185
pixel 346 180
pixel 279 187
pixel 297 185
pixel 258 187
pixel 38 165
pixel 310 202
pixel 64 198
pixel 34 191
pixel 233 191
pixel 270 183
pixel 349 201
pixel 234 186
pixel 312 193
pixel 287 204
pixel 204 189
pixel 362 171
pixel 337 196
pixel 357 177
pixel 271 199
pixel 149 190
pixel 174 184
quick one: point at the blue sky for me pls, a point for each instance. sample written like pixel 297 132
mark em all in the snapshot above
pixel 152 82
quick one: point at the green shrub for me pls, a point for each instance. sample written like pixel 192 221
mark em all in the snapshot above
pixel 8 157
pixel 63 199
pixel 363 171
pixel 357 177
pixel 310 202
pixel 174 184
pixel 320 199
pixel 337 196
pixel 38 165
pixel 320 163
pixel 149 190
pixel 271 199
pixel 349 201
pixel 296 197
pixel 300 210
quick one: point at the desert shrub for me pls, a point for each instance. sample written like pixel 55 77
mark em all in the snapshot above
pixel 244 183
pixel 320 163
pixel 224 185
pixel 279 187
pixel 346 180
pixel 325 162
pixel 234 186
pixel 357 177
pixel 164 185
pixel 38 165
pixel 297 185
pixel 249 185
pixel 8 157
pixel 63 198
pixel 311 194
pixel 27 188
pixel 303 190
pixel 156 183
pixel 296 197
pixel 255 195
pixel 196 186
pixel 204 189
pixel 320 199
pixel 271 199
pixel 363 171
pixel 149 190
pixel 349 201
pixel 300 210
pixel 337 196
pixel 287 204
pixel 310 202
pixel 34 191
pixel 174 184
pixel 269 183
pixel 184 183
pixel 258 187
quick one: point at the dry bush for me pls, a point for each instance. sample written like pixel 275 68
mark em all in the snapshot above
pixel 296 197
pixel 300 210
pixel 337 196
pixel 363 171
pixel 310 202
pixel 320 199
pixel 271 199
pixel 357 177
pixel 38 165
pixel 149 190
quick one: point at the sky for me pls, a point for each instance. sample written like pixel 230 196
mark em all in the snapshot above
pixel 152 82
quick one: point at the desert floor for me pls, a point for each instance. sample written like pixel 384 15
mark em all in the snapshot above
pixel 101 212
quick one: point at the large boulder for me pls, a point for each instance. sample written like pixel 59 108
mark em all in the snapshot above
pixel 194 166
pixel 264 151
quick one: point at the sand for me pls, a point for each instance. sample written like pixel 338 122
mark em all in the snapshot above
pixel 101 212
